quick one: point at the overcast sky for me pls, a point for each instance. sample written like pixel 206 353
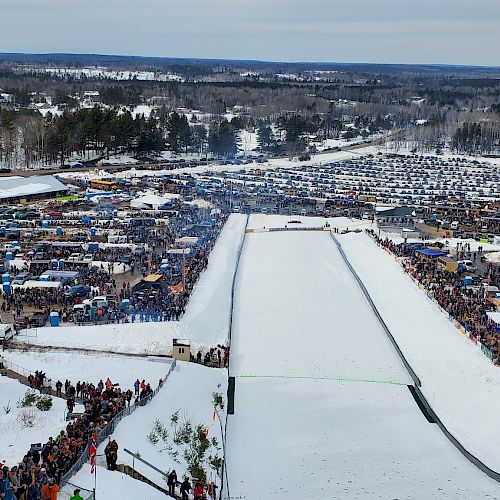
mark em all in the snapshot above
pixel 386 31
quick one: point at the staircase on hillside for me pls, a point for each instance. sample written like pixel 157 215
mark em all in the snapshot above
pixel 7 372
pixel 126 469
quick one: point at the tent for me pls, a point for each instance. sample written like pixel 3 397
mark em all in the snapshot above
pixel 152 201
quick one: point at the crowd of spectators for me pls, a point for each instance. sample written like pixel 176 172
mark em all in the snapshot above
pixel 465 303
pixel 39 473
pixel 166 301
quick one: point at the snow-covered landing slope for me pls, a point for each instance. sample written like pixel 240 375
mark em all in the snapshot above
pixel 299 432
pixel 298 312
pixel 459 382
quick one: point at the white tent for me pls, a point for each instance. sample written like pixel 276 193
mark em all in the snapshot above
pixel 152 201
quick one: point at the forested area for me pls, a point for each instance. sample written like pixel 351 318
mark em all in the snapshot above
pixel 420 111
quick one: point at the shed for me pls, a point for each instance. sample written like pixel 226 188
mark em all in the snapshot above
pixel 181 349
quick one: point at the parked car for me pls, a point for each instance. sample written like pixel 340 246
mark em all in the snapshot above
pixel 21 323
pixel 21 278
pixel 78 291
pixel 74 257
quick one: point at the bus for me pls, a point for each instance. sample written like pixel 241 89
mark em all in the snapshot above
pixel 108 185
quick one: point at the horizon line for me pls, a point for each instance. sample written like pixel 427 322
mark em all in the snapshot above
pixel 260 61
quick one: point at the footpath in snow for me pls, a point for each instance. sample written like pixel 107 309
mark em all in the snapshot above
pixel 322 408
pixel 205 322
pixel 79 366
pixel 459 382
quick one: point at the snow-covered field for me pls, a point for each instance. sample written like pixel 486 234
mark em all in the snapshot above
pixel 16 436
pixel 111 486
pixel 460 383
pixel 321 404
pixel 205 323
pixel 123 370
pixel 188 390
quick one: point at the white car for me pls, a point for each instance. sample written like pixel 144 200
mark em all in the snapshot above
pixel 88 258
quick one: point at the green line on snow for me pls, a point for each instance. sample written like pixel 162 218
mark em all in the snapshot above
pixel 337 379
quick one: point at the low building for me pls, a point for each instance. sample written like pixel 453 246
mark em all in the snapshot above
pixel 398 217
pixel 19 189
pixel 181 349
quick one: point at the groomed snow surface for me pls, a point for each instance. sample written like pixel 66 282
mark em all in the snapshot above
pixel 205 323
pixel 322 409
pixel 460 383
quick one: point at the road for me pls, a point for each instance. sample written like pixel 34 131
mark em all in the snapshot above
pixel 138 166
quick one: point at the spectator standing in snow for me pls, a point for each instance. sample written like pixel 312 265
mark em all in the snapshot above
pixel 185 489
pixel 171 482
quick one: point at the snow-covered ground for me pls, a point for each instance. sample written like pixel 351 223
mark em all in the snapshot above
pixel 318 159
pixel 205 323
pixel 460 383
pixel 112 268
pixel 321 404
pixel 188 390
pixel 60 365
pixel 260 221
pixel 111 486
pixel 15 436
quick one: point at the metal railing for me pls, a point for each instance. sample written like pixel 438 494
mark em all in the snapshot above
pixel 24 372
pixel 109 429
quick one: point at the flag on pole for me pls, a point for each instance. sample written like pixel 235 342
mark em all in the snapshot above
pixel 93 452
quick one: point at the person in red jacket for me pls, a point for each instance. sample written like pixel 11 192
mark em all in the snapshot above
pixel 198 491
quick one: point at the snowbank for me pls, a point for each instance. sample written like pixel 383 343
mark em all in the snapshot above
pixel 208 310
pixel 460 383
pixel 17 437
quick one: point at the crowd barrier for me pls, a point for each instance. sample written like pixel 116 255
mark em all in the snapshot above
pixel 109 429
pixel 417 388
pixel 48 384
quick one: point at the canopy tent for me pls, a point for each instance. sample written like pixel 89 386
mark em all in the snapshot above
pixel 152 201
pixel 429 252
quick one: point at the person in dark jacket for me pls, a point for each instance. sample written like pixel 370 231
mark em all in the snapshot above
pixel 185 489
pixel 171 482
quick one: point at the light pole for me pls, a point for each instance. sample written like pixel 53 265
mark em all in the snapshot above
pixel 224 455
